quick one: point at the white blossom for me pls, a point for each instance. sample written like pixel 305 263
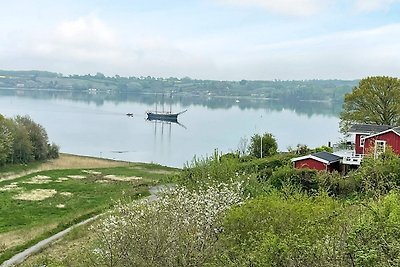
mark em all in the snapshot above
pixel 175 229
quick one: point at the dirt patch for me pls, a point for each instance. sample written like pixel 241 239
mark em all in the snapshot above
pixel 77 176
pixel 62 179
pixel 66 194
pixel 10 187
pixel 103 181
pixel 91 172
pixel 36 195
pixel 38 179
pixel 122 178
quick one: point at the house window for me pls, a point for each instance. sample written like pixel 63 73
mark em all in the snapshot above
pixel 379 147
pixel 362 140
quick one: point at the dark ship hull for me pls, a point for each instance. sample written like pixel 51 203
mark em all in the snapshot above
pixel 173 117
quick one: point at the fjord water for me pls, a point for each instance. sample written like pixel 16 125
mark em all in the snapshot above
pixel 97 125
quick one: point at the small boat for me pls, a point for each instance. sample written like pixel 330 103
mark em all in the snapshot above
pixel 163 116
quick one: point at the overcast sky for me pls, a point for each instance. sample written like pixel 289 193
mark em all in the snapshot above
pixel 205 39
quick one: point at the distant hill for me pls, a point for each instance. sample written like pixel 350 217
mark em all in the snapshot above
pixel 316 90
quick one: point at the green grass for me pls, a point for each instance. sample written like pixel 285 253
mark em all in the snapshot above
pixel 91 195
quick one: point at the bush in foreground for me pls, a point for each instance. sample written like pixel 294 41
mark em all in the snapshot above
pixel 180 228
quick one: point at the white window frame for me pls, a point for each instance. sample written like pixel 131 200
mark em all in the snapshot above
pixel 379 143
pixel 362 140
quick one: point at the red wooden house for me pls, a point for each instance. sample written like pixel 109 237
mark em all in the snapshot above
pixel 377 143
pixel 361 131
pixel 321 161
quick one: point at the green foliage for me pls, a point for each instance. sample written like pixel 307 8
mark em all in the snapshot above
pixel 377 176
pixel 285 230
pixel 230 167
pixel 6 142
pixel 264 146
pixel 304 179
pixel 375 100
pixel 37 135
pixel 251 164
pixel 22 145
pixel 323 148
pixel 214 169
pixel 53 151
pixel 22 141
pixel 300 150
pixel 338 185
pixel 375 239
pixel 293 229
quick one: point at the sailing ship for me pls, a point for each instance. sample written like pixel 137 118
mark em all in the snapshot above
pixel 163 116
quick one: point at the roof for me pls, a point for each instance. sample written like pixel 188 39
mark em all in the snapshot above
pixel 396 130
pixel 368 128
pixel 327 156
pixel 324 157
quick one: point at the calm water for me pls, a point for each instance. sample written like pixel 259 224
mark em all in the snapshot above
pixel 96 125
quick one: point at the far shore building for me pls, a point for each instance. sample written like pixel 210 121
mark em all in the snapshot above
pixel 366 139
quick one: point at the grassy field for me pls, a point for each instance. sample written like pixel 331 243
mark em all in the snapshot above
pixel 41 200
pixel 68 251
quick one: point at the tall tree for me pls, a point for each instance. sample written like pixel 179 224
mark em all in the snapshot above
pixel 37 135
pixel 22 145
pixel 265 143
pixel 376 100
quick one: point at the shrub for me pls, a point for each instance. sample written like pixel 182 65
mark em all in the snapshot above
pixel 285 230
pixel 214 169
pixel 375 239
pixel 305 179
pixel 377 176
pixel 179 228
pixel 338 185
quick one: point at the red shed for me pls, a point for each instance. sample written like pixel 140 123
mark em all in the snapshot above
pixel 321 161
pixel 377 143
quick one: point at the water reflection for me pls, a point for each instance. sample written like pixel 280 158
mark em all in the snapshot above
pixel 308 108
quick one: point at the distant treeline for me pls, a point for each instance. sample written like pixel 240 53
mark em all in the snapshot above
pixel 22 141
pixel 322 90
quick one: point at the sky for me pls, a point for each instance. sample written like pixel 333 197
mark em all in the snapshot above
pixel 203 39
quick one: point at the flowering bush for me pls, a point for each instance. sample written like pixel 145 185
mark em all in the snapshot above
pixel 178 228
